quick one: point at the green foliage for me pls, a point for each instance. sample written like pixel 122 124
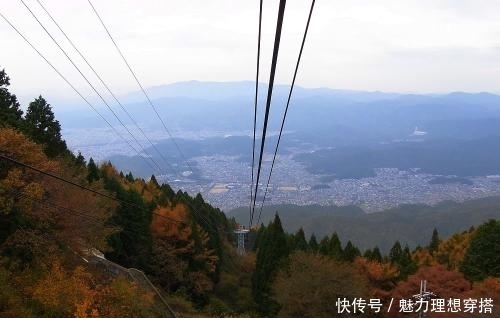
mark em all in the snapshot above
pixel 10 112
pixel 403 260
pixel 482 258
pixel 42 127
pixel 313 243
pixel 373 255
pixel 298 241
pixel 434 243
pixel 332 247
pixel 350 252
pixel 405 223
pixel 132 245
pixel 396 253
pixel 93 171
pixel 271 252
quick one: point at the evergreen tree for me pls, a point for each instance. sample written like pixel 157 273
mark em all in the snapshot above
pixel 401 257
pixel 396 253
pixel 406 264
pixel 153 180
pixel 482 258
pixel 132 245
pixel 93 171
pixel 80 160
pixel 335 247
pixel 324 245
pixel 350 252
pixel 42 127
pixel 434 243
pixel 271 252
pixel 129 177
pixel 313 243
pixel 10 113
pixel 299 241
pixel 376 255
pixel 259 237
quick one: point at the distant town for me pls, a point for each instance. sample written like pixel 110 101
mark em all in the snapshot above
pixel 292 184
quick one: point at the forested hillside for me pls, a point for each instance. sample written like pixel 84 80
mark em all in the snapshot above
pixel 56 207
pixel 58 210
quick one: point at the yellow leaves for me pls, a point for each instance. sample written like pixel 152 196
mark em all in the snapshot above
pixel 424 258
pixel 122 298
pixel 64 292
pixel 377 272
pixel 14 180
pixel 310 284
pixel 15 145
pixel 452 251
pixel 166 222
pixel 74 293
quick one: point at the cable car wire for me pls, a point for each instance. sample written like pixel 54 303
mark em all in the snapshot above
pixel 255 106
pixel 92 86
pixel 141 87
pixel 105 85
pixel 279 24
pixel 286 108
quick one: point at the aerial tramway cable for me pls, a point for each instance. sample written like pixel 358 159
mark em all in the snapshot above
pixel 105 85
pixel 279 24
pixel 286 109
pixel 73 87
pixel 92 86
pixel 141 87
pixel 255 106
pixel 150 103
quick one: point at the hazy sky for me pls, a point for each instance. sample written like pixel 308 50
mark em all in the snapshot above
pixel 389 45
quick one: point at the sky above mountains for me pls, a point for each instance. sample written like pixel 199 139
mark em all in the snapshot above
pixel 397 46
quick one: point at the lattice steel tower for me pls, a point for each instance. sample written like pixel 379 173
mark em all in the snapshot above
pixel 241 233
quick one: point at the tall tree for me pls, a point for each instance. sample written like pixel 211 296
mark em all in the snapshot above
pixel 42 127
pixel 10 113
pixel 396 253
pixel 350 252
pixel 299 241
pixel 93 171
pixel 434 243
pixel 270 254
pixel 313 243
pixel 402 259
pixel 482 258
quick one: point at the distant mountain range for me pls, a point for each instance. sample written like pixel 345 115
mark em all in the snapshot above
pixel 332 117
pixel 343 133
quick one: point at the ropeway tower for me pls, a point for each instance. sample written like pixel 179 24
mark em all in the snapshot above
pixel 241 233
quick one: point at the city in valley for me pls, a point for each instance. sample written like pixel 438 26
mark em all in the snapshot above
pixel 225 181
pixel 292 184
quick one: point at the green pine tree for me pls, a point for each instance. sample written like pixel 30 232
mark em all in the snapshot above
pixel 272 250
pixel 350 252
pixel 335 247
pixel 93 171
pixel 482 258
pixel 434 243
pixel 396 253
pixel 313 243
pixel 10 113
pixel 42 127
pixel 299 241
